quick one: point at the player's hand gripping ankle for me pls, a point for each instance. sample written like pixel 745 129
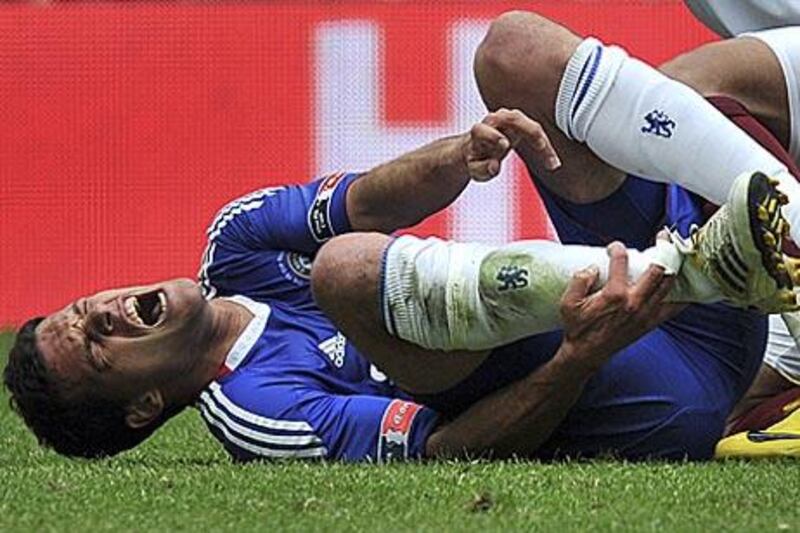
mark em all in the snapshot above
pixel 596 325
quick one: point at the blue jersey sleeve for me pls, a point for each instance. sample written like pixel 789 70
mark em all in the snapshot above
pixel 262 244
pixel 255 419
pixel 295 217
pixel 371 428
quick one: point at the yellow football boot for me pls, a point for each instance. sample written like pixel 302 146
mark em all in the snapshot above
pixel 781 439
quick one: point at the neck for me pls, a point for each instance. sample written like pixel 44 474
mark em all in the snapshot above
pixel 229 321
pixel 223 327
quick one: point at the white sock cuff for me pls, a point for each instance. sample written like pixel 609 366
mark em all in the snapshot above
pixel 587 78
pixel 397 274
pixel 426 281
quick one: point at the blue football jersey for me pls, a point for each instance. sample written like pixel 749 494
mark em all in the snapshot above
pixel 293 385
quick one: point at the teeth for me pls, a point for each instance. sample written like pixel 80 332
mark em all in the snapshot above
pixel 132 310
pixel 162 298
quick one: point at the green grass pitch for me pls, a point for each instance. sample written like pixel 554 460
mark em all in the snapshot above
pixel 182 480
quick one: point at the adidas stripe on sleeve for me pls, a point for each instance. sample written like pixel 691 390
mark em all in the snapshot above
pixel 248 435
pixel 347 428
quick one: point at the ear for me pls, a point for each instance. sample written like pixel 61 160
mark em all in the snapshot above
pixel 144 409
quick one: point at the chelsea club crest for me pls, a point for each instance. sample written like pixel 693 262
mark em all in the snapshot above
pixel 295 267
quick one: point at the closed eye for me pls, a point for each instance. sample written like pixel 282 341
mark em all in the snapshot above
pixel 93 346
pixel 95 357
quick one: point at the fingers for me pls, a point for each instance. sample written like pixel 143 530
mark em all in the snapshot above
pixel 488 147
pixel 663 290
pixel 653 309
pixel 580 286
pixel 489 141
pixel 648 302
pixel 483 170
pixel 647 287
pixel 617 287
pixel 521 128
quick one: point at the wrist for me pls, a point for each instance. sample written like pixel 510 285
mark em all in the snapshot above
pixel 578 359
pixel 458 154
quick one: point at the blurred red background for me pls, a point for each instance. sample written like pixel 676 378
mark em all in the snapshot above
pixel 125 126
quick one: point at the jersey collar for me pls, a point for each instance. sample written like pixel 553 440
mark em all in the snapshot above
pixel 248 338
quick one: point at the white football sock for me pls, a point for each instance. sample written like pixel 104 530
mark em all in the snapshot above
pixel 459 296
pixel 646 124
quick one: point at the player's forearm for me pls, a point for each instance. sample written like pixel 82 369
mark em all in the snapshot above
pixel 517 419
pixel 407 190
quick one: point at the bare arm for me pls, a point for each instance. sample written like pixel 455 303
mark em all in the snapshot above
pixel 407 190
pixel 517 419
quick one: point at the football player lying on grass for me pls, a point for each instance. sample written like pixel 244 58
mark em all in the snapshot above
pixel 273 377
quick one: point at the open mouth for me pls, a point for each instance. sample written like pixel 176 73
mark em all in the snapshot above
pixel 148 309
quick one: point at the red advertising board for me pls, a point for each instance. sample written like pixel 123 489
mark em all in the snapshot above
pixel 124 126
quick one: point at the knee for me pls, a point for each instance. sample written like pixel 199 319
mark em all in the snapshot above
pixel 329 271
pixel 521 50
pixel 519 39
pixel 346 269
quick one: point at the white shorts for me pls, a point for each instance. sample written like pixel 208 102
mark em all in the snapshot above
pixel 785 44
pixel 782 354
pixel 734 17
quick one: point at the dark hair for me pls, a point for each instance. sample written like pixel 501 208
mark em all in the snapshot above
pixel 73 423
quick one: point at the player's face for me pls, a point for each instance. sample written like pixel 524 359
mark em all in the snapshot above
pixel 126 341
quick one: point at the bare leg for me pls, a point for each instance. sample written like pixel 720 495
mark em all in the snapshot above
pixel 744 69
pixel 519 65
pixel 598 95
